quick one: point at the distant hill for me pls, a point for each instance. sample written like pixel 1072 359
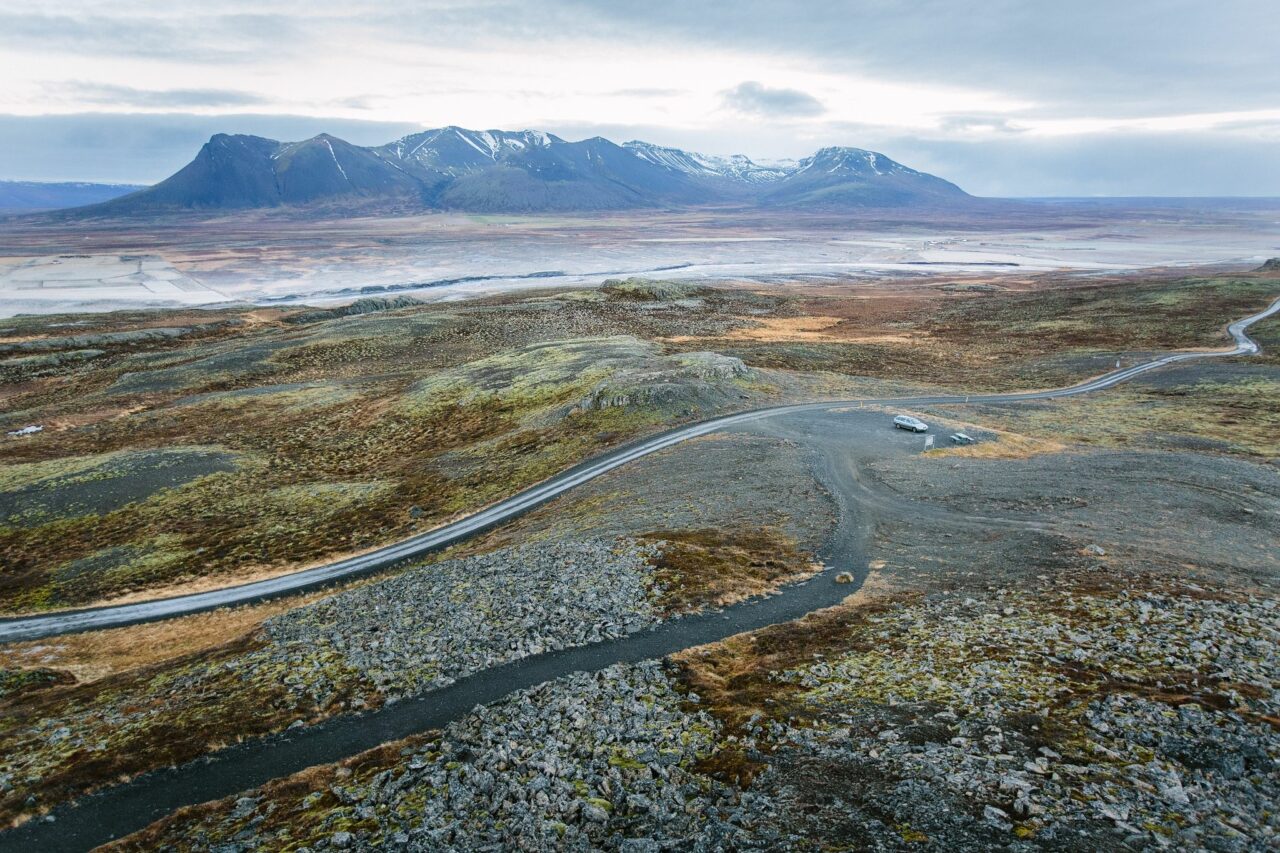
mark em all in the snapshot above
pixel 26 196
pixel 453 168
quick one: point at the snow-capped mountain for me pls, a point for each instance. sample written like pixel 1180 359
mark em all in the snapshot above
pixel 739 167
pixel 854 177
pixel 457 151
pixel 494 170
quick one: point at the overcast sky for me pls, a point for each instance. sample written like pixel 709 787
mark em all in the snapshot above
pixel 1005 97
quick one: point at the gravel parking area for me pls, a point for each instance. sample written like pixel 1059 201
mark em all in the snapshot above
pixel 1215 517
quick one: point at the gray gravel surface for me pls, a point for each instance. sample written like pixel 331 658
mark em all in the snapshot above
pixel 1068 720
pixel 599 761
pixel 427 627
pixel 1208 514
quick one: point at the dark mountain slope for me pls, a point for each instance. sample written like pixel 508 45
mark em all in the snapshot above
pixel 852 177
pixel 228 172
pixel 26 196
pixel 325 167
pixel 593 174
pixel 527 171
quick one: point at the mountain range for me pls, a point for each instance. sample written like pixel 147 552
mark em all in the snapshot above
pixel 452 168
pixel 28 196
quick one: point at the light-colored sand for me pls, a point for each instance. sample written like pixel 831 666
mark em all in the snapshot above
pixel 61 283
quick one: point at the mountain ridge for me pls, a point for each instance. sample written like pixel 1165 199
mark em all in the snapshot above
pixel 492 171
pixel 18 197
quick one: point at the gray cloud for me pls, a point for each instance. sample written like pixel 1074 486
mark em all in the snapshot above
pixel 199 36
pixel 984 122
pixel 1092 56
pixel 752 98
pixel 1088 58
pixel 171 99
pixel 1136 164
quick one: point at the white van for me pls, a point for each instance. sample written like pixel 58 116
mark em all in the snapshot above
pixel 908 422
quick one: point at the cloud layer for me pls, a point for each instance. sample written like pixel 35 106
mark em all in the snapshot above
pixel 752 98
pixel 1061 91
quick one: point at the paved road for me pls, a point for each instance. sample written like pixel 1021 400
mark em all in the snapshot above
pixel 35 627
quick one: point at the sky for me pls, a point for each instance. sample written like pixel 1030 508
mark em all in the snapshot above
pixel 1004 97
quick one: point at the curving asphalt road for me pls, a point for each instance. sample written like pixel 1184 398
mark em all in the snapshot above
pixel 35 627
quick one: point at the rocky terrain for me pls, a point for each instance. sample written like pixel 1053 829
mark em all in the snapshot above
pixel 416 631
pixel 1056 646
pixel 1074 715
pixel 422 629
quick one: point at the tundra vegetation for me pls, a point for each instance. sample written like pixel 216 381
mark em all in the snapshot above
pixel 244 442
pixel 208 448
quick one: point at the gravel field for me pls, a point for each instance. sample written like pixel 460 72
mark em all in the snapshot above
pixel 727 481
pixel 1079 717
pixel 416 631
pixel 1213 516
pixel 423 629
pixel 592 761
pixel 1139 721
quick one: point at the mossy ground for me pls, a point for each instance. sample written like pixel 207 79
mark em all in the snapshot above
pixel 716 567
pixel 351 431
pixel 1238 414
pixel 345 434
pixel 1033 663
pixel 358 430
pixel 60 742
pixel 1054 334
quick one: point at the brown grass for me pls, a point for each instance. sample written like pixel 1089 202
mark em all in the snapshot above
pixel 319 779
pixel 97 654
pixel 1009 445
pixel 732 676
pixel 803 330
pixel 715 568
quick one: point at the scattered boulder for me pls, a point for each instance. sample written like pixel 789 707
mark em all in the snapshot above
pixel 360 306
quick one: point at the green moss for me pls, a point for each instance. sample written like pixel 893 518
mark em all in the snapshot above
pixel 623 759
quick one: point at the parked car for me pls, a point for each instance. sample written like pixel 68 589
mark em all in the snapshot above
pixel 908 422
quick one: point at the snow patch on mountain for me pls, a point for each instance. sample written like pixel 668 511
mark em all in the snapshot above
pixel 737 167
